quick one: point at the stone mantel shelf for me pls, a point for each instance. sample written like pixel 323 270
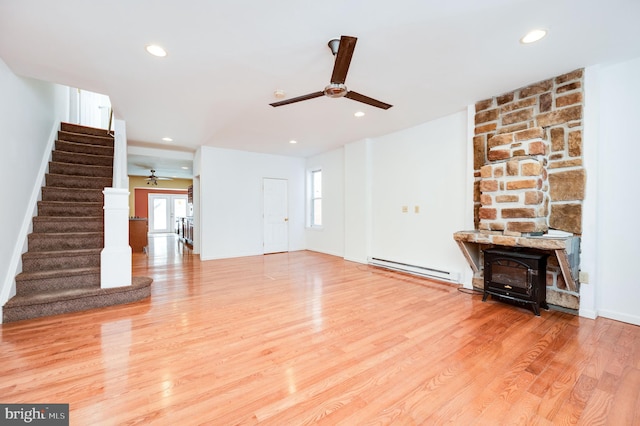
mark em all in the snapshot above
pixel 566 250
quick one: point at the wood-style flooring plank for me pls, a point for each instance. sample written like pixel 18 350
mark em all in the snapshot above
pixel 307 338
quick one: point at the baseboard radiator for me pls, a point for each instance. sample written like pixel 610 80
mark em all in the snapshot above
pixel 423 271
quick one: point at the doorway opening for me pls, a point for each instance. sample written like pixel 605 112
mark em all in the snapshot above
pixel 166 211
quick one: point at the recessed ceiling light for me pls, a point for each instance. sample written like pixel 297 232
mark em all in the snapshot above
pixel 184 168
pixel 292 142
pixel 156 50
pixel 533 36
pixel 167 139
pixel 359 114
pixel 279 93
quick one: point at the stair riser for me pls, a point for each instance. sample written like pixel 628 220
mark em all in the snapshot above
pixel 81 148
pixel 57 262
pixel 46 208
pixel 86 139
pixel 64 181
pixel 50 242
pixel 72 195
pixel 27 287
pixel 76 128
pixel 81 225
pixel 79 170
pixel 76 158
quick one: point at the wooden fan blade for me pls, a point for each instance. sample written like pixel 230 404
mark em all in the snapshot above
pixel 298 99
pixel 367 100
pixel 343 59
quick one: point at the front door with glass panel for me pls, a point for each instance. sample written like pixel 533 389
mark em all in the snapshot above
pixel 165 210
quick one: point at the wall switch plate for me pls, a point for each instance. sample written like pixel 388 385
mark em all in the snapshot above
pixel 405 209
pixel 416 209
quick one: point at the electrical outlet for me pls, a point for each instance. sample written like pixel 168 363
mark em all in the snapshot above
pixel 583 277
pixel 405 209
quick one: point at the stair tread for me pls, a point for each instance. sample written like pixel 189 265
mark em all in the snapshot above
pixel 104 147
pixel 56 273
pixel 55 253
pixel 76 176
pixel 105 137
pixel 75 203
pixel 54 295
pixel 67 218
pixel 82 154
pixel 62 188
pixel 79 165
pixel 83 127
pixel 68 234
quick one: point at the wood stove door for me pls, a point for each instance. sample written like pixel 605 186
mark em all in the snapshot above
pixel 509 276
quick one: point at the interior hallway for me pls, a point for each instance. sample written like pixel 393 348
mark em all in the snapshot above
pixel 165 248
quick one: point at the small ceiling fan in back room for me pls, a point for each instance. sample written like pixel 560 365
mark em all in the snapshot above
pixel 153 179
pixel 342 49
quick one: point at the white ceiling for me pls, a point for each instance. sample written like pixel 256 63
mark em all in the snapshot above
pixel 428 58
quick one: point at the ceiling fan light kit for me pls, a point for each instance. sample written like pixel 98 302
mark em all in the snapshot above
pixel 342 49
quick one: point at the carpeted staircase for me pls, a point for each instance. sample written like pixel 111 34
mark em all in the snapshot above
pixel 61 269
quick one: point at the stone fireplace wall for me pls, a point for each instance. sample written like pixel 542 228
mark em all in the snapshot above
pixel 528 170
pixel 528 166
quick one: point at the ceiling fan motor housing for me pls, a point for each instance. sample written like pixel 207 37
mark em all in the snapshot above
pixel 335 90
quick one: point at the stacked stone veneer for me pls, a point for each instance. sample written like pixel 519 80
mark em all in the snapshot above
pixel 528 167
pixel 528 158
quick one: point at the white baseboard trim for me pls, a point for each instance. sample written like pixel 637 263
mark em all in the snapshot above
pixel 619 316
pixel 588 313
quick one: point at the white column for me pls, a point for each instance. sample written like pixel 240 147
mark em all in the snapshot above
pixel 115 258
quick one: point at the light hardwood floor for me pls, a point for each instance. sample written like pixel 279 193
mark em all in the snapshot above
pixel 306 338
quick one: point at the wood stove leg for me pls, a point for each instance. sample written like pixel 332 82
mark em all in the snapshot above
pixel 536 309
pixel 484 296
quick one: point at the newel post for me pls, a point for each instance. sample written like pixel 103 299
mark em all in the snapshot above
pixel 115 258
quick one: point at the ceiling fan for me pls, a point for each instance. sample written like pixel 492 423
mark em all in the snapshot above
pixel 342 49
pixel 153 179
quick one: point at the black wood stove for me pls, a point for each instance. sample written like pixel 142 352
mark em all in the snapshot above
pixel 516 275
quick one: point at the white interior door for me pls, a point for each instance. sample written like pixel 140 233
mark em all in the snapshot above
pixel 276 220
pixel 164 211
pixel 94 109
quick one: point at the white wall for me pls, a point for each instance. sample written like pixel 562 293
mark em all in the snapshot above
pixel 423 167
pixel 612 149
pixel 231 201
pixel 330 237
pixel 357 188
pixel 30 112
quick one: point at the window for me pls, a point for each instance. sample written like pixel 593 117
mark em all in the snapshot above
pixel 316 198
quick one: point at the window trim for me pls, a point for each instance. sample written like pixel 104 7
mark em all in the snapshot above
pixel 313 198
